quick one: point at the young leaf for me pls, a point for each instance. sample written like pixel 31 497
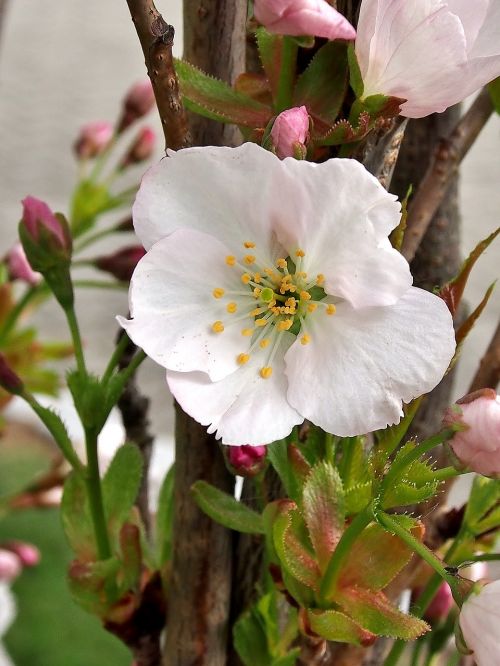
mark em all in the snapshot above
pixel 270 51
pixel 289 659
pixel 90 200
pixel 250 640
pixel 389 439
pixel 226 510
pixel 345 132
pixel 120 487
pixel 355 77
pixel 323 85
pixel 165 518
pixel 75 515
pixel 484 496
pixel 469 323
pixel 357 497
pixel 323 506
pixel 336 626
pixel 406 494
pixel 278 456
pixel 214 99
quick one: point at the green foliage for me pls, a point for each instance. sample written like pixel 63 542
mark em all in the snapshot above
pixel 484 501
pixel 494 88
pixel 278 457
pixel 344 131
pixel 466 327
pixel 355 77
pixel 214 99
pixel 270 49
pixel 226 510
pixel 91 199
pixel 165 518
pixel 75 516
pixel 389 439
pixel 415 484
pixel 337 626
pixel 397 236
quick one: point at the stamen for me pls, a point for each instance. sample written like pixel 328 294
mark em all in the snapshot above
pixel 311 307
pixel 249 259
pixel 305 295
pixel 242 359
pixel 264 343
pixel 320 279
pixel 231 308
pixel 261 322
pixel 305 339
pixel 285 324
pixel 257 292
pixel 218 293
pixel 217 327
pixel 230 260
pixel 245 278
pixel 330 309
pixel 257 278
pixel 249 245
pixel 247 332
pixel 300 253
pixel 266 372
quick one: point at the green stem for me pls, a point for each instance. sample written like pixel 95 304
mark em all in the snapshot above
pixel 93 238
pixel 116 356
pixel 342 551
pixel 330 448
pixel 284 95
pixel 446 473
pixel 17 311
pixel 417 652
pixel 77 340
pixel 94 491
pixel 100 284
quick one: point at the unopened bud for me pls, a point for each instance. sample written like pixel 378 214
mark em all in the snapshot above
pixel 10 566
pixel 141 149
pixel 441 605
pixel 246 460
pixel 8 378
pixel 121 264
pixel 19 267
pixel 39 220
pixel 290 133
pixel 93 139
pixel 28 554
pixel 138 102
pixel 125 225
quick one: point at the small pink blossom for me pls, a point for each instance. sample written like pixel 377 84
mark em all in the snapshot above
pixel 37 216
pixel 290 132
pixel 441 605
pixel 138 102
pixel 10 565
pixel 303 17
pixel 93 139
pixel 247 460
pixel 27 553
pixel 477 442
pixel 19 267
pixel 479 624
pixel 141 149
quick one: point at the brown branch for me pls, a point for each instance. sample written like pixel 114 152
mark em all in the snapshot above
pixel 444 165
pixel 488 374
pixel 157 38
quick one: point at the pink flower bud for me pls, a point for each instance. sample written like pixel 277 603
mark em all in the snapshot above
pixel 138 102
pixel 28 554
pixel 476 443
pixel 290 132
pixel 37 216
pixel 246 460
pixel 303 17
pixel 8 378
pixel 10 565
pixel 441 605
pixel 141 149
pixel 93 139
pixel 19 267
pixel 479 623
pixel 121 264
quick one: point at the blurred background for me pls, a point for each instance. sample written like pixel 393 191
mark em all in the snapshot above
pixel 63 64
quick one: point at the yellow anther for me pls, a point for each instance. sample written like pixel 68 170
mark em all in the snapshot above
pixel 249 259
pixel 292 288
pixel 281 263
pixel 247 332
pixel 305 296
pixel 312 307
pixel 231 308
pixel 257 292
pixel 266 372
pixel 285 324
pixel 260 322
pixel 305 339
pixel 218 293
pixel 264 343
pixel 300 253
pixel 230 260
pixel 301 274
pixel 242 359
pixel 286 278
pixel 330 309
pixel 291 302
pixel 269 271
pixel 248 244
pixel 245 278
pixel 320 279
pixel 257 278
pixel 217 327
pixel 272 303
pixel 275 310
pixel 257 312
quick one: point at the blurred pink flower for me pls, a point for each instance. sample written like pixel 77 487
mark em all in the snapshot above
pixel 10 565
pixel 28 554
pixel 246 460
pixel 290 131
pixel 141 149
pixel 303 17
pixel 93 139
pixel 441 605
pixel 19 267
pixel 477 442
pixel 433 53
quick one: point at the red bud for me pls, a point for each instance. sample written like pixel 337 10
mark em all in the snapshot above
pixel 138 102
pixel 121 264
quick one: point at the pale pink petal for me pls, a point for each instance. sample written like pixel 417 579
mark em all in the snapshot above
pixel 472 15
pixel 479 622
pixel 243 408
pixel 173 307
pixel 303 17
pixel 340 216
pixel 362 364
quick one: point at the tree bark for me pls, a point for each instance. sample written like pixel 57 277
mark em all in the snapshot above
pixel 200 586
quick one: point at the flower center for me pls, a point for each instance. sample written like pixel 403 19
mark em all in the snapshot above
pixel 274 299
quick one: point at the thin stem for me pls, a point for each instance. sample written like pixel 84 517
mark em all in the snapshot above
pixel 289 52
pixel 77 340
pixel 342 551
pixel 417 652
pixel 100 284
pixel 93 238
pixel 330 448
pixel 446 473
pixel 116 356
pixel 17 311
pixel 94 491
pixel 133 365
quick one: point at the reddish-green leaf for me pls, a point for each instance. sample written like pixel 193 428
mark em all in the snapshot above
pixel 323 85
pixel 343 132
pixel 468 324
pixel 270 50
pixel 336 626
pixel 255 86
pixel 373 611
pixel 453 291
pixel 323 505
pixel 214 99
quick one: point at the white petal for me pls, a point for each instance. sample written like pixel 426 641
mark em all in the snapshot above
pixel 223 191
pixel 340 215
pixel 243 408
pixel 479 621
pixel 173 308
pixel 362 364
pixel 471 15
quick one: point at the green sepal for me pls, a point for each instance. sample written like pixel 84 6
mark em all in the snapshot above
pixel 226 510
pixel 483 498
pixel 334 625
pixel 91 199
pixel 322 86
pixel 357 497
pixel 494 89
pixel 165 518
pixel 355 78
pixel 343 131
pixel 214 99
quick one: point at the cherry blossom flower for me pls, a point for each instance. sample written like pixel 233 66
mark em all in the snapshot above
pixel 303 17
pixel 271 293
pixel 19 267
pixel 432 53
pixel 479 620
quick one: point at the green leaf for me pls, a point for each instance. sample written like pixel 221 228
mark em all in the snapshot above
pixel 214 99
pixel 323 507
pixel 322 86
pixel 92 584
pixel 355 77
pixel 90 200
pixel 89 397
pixel 336 626
pixel 131 557
pixel 389 439
pixel 226 510
pixel 120 487
pixel 494 88
pixel 470 322
pixel 484 496
pixel 344 131
pixel 270 49
pixel 289 659
pixel 250 640
pixel 165 518
pixel 357 497
pixel 75 516
pixel 278 456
